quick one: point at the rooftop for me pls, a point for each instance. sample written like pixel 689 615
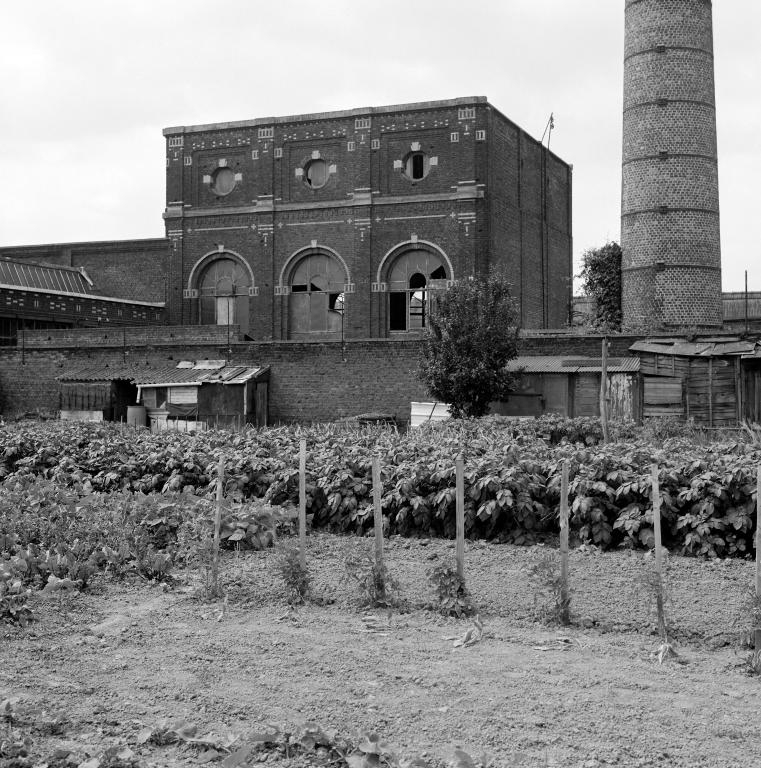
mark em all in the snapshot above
pixel 337 115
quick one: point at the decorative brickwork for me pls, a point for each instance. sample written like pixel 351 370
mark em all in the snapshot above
pixel 670 195
pixel 354 186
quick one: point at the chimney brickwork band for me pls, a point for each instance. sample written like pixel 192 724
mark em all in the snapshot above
pixel 670 188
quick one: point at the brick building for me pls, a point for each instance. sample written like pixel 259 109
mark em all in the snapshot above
pixel 36 296
pixel 338 225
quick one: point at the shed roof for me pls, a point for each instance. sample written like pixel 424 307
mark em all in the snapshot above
pixel 45 277
pixel 565 364
pixel 182 375
pixel 703 348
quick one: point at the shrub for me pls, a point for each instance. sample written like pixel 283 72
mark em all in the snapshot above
pixel 452 596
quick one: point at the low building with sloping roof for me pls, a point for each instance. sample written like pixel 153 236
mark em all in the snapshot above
pixel 714 381
pixel 34 296
pixel 188 395
pixel 570 386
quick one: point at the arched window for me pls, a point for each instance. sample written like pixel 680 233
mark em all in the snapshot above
pixel 223 293
pixel 316 304
pixel 410 279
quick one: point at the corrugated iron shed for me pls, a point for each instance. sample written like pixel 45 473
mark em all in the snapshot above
pixel 166 376
pixel 43 277
pixel 564 364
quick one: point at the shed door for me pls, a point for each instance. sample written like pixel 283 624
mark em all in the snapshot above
pixel 663 396
pixel 587 395
pixel 556 394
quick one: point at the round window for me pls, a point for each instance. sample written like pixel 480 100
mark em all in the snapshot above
pixel 416 166
pixel 316 174
pixel 222 181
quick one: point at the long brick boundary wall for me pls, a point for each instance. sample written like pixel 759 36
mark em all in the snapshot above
pixel 309 381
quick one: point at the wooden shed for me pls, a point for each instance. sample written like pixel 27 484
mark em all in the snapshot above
pixel 570 386
pixel 714 381
pixel 188 395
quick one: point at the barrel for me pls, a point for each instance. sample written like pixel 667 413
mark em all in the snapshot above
pixel 136 415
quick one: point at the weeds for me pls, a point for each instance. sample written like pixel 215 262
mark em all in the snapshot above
pixel 452 596
pixel 657 595
pixel 377 587
pixel 547 584
pixel 298 582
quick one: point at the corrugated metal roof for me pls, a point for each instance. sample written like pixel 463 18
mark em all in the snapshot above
pixel 695 348
pixel 564 364
pixel 43 277
pixel 167 375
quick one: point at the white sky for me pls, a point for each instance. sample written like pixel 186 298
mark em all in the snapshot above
pixel 86 87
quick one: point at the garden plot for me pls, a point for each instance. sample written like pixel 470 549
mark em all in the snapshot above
pixel 164 678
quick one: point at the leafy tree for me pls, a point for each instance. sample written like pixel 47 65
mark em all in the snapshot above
pixel 472 334
pixel 602 281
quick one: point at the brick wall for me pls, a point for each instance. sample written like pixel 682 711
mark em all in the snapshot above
pixel 309 381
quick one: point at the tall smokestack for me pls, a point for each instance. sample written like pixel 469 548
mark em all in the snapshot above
pixel 670 192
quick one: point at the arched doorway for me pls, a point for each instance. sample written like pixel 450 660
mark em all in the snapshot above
pixel 223 292
pixel 316 305
pixel 410 278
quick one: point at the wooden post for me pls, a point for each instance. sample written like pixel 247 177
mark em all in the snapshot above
pixel 460 514
pixel 565 599
pixel 656 493
pixel 757 630
pixel 710 391
pixel 303 503
pixel 378 512
pixel 217 526
pixel 604 392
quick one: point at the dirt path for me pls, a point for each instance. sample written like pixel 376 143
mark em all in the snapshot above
pixel 120 661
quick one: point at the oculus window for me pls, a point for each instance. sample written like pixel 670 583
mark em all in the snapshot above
pixel 316 174
pixel 416 166
pixel 222 181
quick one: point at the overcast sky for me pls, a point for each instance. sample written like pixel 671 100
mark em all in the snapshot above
pixel 88 85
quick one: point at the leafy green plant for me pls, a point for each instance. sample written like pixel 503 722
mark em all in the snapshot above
pixel 472 334
pixel 550 606
pixel 14 597
pixel 377 588
pixel 656 592
pixel 295 576
pixel 601 276
pixel 452 596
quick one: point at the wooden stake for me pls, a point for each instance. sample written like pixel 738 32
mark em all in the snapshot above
pixel 564 590
pixel 656 492
pixel 604 392
pixel 377 493
pixel 460 514
pixel 303 503
pixel 757 630
pixel 217 526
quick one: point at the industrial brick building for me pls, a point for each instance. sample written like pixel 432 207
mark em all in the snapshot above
pixel 339 225
pixel 332 225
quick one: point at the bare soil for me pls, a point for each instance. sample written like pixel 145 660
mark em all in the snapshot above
pixel 100 668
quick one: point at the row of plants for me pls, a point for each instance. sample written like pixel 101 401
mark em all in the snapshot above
pixel 54 540
pixel 512 478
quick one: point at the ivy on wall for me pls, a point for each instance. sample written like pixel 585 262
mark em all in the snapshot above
pixel 601 277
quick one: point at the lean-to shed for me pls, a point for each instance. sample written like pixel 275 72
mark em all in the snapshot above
pixel 570 386
pixel 713 381
pixel 188 395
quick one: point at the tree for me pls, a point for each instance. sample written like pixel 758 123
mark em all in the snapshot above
pixel 602 281
pixel 472 334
